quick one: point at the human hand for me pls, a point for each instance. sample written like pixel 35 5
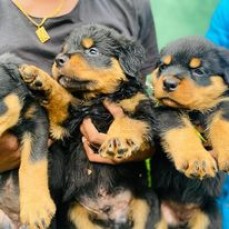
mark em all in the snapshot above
pixel 93 138
pixel 9 152
pixel 95 157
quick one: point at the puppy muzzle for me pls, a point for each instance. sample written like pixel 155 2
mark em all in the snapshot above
pixel 61 59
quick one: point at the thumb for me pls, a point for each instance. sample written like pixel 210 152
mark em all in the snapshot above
pixel 115 110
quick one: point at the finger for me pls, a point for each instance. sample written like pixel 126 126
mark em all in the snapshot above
pixel 89 131
pixel 114 109
pixel 87 128
pixel 92 156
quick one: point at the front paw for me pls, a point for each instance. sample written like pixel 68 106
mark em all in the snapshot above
pixel 31 76
pixel 199 166
pixel 37 213
pixel 223 162
pixel 118 148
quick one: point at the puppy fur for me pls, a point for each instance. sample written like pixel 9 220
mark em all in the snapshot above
pixel 21 115
pixel 97 63
pixel 191 88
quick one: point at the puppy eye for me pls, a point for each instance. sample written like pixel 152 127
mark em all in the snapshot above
pixel 198 71
pixel 92 51
pixel 162 67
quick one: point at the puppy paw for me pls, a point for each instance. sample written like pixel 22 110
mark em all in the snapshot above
pixel 198 167
pixel 32 76
pixel 223 162
pixel 118 148
pixel 37 214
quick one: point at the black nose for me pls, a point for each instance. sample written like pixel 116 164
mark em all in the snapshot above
pixel 170 84
pixel 61 59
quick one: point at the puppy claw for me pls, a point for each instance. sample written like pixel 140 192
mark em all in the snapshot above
pixel 118 148
pixel 199 167
pixel 122 151
pixel 37 215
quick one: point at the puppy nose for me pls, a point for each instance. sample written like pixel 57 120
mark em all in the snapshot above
pixel 61 60
pixel 170 84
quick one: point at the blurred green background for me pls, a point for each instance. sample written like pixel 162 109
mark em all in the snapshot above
pixel 178 18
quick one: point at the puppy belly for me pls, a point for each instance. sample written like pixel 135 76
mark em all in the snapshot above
pixel 177 214
pixel 109 206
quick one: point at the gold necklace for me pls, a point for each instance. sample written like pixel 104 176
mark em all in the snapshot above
pixel 41 32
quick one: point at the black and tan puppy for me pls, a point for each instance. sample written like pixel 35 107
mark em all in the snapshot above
pixel 24 117
pixel 97 63
pixel 191 86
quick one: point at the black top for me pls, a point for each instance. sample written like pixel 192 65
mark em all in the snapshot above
pixel 132 18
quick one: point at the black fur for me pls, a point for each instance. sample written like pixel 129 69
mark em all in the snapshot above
pixel 169 183
pixel 36 125
pixel 172 185
pixel 76 183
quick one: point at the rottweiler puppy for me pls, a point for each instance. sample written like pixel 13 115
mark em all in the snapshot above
pixel 191 88
pixel 97 63
pixel 22 115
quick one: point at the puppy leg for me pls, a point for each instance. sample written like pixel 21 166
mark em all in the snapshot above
pixel 162 224
pixel 139 213
pixel 218 133
pixel 56 99
pixel 36 206
pixel 184 147
pixel 80 218
pixel 199 220
pixel 125 137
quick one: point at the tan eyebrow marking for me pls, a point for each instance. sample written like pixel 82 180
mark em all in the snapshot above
pixel 167 59
pixel 195 63
pixel 87 42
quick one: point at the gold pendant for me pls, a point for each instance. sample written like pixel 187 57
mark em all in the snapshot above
pixel 42 34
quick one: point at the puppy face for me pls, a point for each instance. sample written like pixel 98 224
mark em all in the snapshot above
pixel 96 60
pixel 191 74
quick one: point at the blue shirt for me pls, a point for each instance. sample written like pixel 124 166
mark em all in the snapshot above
pixel 218 31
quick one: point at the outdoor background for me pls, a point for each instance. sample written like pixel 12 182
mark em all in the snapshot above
pixel 178 18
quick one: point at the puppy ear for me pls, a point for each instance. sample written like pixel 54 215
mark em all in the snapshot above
pixel 131 57
pixel 226 75
pixel 224 62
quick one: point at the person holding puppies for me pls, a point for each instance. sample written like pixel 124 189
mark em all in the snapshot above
pixel 35 29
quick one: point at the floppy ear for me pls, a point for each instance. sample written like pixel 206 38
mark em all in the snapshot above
pixel 131 57
pixel 226 75
pixel 224 62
